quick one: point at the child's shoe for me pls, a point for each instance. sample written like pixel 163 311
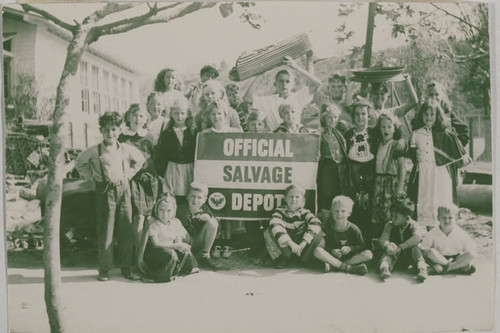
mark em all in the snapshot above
pixel 216 252
pixel 422 274
pixel 359 269
pixel 436 269
pixel 468 270
pixel 385 273
pixel 129 275
pixel 103 276
pixel 226 252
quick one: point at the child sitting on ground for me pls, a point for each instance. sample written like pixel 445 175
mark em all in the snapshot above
pixel 164 253
pixel 344 246
pixel 290 114
pixel 448 248
pixel 293 230
pixel 200 223
pixel 400 240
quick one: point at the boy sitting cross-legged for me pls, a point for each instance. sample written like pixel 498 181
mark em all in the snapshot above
pixel 344 249
pixel 448 248
pixel 400 239
pixel 294 232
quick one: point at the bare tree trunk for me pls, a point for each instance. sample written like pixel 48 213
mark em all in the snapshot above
pixel 51 255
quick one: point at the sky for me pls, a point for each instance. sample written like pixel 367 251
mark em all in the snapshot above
pixel 205 37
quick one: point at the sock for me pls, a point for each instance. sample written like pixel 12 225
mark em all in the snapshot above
pixel 346 268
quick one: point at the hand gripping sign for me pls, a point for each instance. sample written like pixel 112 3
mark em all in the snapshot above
pixel 246 173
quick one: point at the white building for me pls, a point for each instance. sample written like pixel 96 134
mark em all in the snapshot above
pixel 35 46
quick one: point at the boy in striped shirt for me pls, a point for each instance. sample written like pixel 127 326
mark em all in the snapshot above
pixel 294 232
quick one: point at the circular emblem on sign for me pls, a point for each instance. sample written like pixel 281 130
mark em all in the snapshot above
pixel 216 201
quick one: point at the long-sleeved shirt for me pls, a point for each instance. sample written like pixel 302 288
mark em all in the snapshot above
pixel 405 236
pixel 119 162
pixel 296 225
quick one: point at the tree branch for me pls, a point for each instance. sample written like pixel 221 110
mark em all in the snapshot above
pixel 481 31
pixel 181 9
pixel 153 10
pixel 108 9
pixel 29 8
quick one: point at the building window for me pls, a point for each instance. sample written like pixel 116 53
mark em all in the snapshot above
pixel 86 134
pixel 85 100
pixel 106 102
pixel 131 90
pixel 96 96
pixel 124 88
pixel 114 92
pixel 84 75
pixel 8 55
pixel 124 106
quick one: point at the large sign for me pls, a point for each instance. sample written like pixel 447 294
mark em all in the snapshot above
pixel 246 173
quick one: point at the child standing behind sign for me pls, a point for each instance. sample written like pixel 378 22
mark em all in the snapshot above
pixel 293 230
pixel 290 114
pixel 174 155
pixel 218 112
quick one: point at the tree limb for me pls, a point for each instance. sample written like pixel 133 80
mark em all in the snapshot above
pixel 108 9
pixel 29 8
pixel 481 31
pixel 153 10
pixel 181 9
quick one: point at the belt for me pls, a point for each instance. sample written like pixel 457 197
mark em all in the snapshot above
pixel 114 184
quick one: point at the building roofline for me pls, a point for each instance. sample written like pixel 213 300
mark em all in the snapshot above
pixel 54 29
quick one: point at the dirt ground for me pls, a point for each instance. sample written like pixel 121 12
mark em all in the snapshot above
pixel 247 297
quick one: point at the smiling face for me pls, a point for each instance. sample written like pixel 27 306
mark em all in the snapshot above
pixel 429 116
pixel 340 213
pixel 283 84
pixel 233 97
pixel 432 93
pixel 211 94
pixel 170 80
pixel 294 199
pixel 217 117
pixel 446 221
pixel 166 211
pixel 138 120
pixel 336 90
pixel 256 126
pixel 386 129
pixel 331 119
pixel 290 115
pixel 379 98
pixel 196 199
pixel 361 117
pixel 110 134
pixel 179 115
pixel 154 107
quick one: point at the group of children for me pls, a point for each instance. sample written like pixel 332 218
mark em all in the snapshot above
pixel 143 173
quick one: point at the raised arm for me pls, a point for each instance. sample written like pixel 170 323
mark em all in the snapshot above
pixel 402 110
pixel 312 81
pixel 248 97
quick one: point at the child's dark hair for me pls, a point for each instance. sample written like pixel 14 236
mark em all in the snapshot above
pixel 283 71
pixel 382 87
pixel 110 119
pixel 160 80
pixel 404 206
pixel 133 108
pixel 440 123
pixel 153 94
pixel 146 146
pixel 210 71
pixel 397 126
pixel 295 187
pixel 336 77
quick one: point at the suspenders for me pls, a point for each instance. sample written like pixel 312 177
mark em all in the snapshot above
pixel 104 178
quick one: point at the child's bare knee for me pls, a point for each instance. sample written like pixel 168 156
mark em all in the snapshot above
pixel 213 223
pixel 367 254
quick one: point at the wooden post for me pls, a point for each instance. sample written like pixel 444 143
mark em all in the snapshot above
pixel 367 52
pixel 471 142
